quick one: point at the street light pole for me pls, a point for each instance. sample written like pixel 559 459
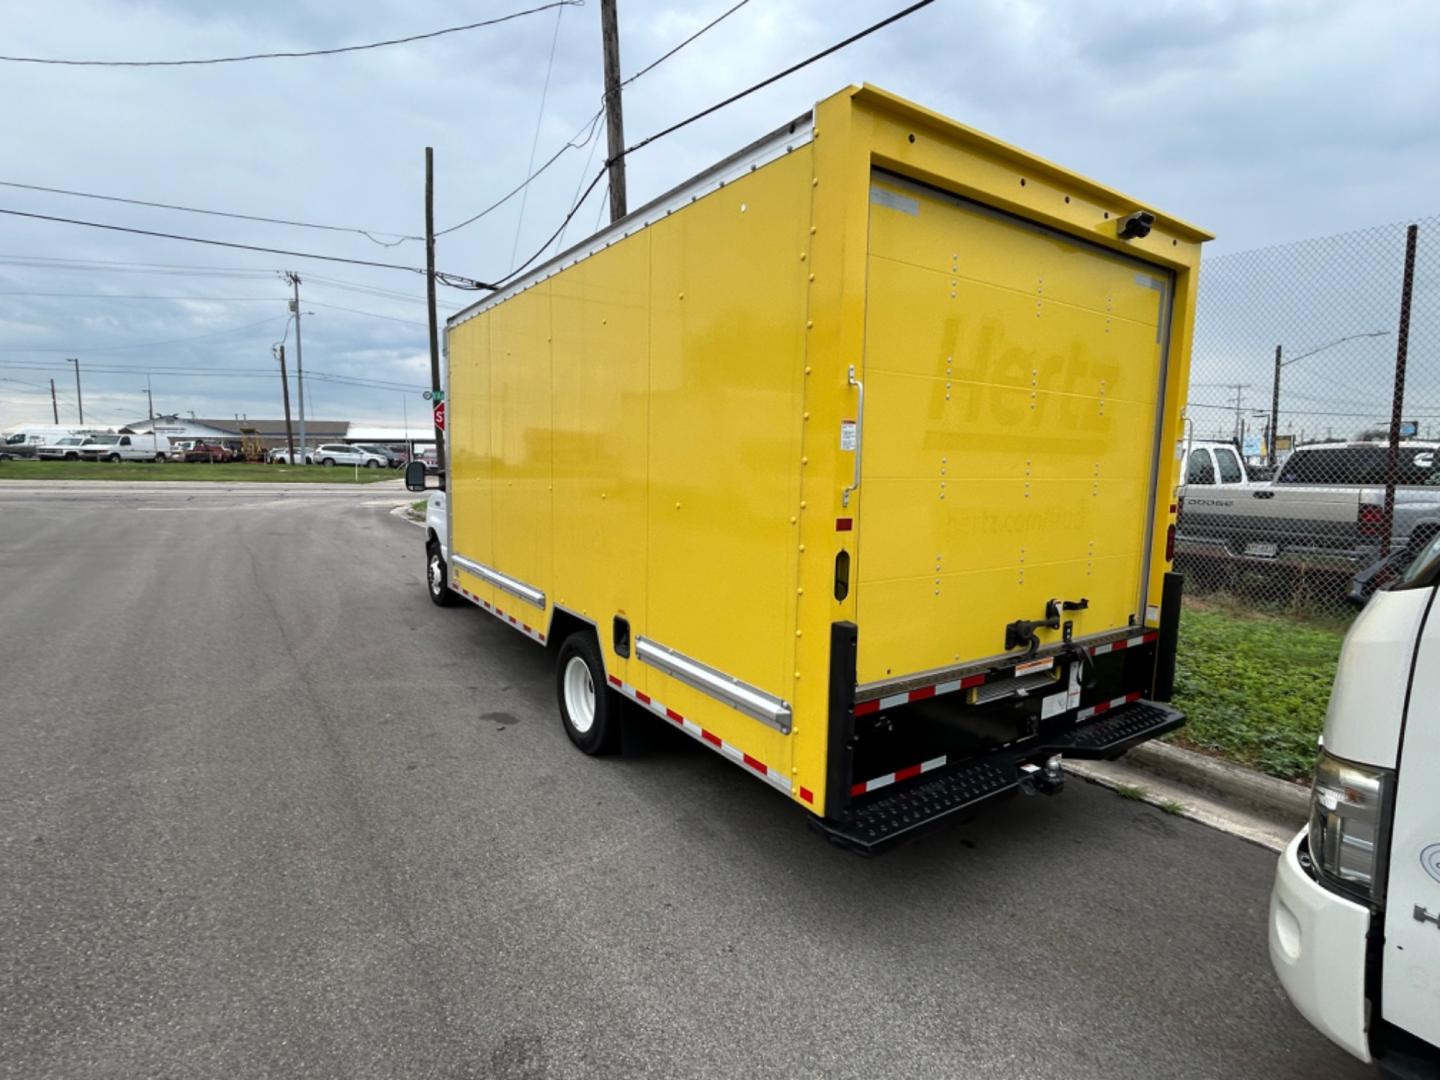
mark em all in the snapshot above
pixel 79 401
pixel 1279 363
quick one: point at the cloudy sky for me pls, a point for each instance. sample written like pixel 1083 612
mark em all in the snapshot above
pixel 1263 122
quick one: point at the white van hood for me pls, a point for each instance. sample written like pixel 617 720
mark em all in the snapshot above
pixel 1367 703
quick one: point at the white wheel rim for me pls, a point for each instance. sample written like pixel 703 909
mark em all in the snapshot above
pixel 579 695
pixel 437 575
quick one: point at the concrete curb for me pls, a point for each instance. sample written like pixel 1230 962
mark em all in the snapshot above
pixel 1232 783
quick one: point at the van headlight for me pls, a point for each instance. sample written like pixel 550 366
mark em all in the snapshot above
pixel 1349 826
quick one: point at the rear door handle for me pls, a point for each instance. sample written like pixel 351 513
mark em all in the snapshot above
pixel 1262 494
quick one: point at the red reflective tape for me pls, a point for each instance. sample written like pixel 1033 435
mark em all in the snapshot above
pixel 614 681
pixel 642 697
pixel 1149 637
pixel 971 680
pixel 923 693
pixel 1134 695
pixel 754 763
pixel 713 740
pixel 844 524
pixel 807 795
pixel 671 714
pixel 1121 644
pixel 1101 706
pixel 511 618
pixel 906 774
pixel 857 789
pixel 867 707
pixel 1174 508
pixel 524 627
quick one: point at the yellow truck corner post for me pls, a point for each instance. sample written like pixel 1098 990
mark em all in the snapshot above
pixel 853 457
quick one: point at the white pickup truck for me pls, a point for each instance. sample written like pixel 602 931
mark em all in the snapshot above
pixel 1355 911
pixel 1323 511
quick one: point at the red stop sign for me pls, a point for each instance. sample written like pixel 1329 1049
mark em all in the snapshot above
pixel 440 416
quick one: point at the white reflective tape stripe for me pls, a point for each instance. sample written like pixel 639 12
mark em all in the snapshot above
pixel 933 763
pixel 948 687
pixel 1101 650
pixel 894 701
pixel 879 782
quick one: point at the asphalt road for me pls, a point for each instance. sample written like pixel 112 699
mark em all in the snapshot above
pixel 265 811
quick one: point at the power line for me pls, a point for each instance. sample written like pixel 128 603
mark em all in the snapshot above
pixel 137 345
pixel 371 235
pixel 778 76
pixel 209 299
pixel 453 280
pixel 294 55
pixel 539 122
pixel 500 283
pixel 589 127
pixel 704 29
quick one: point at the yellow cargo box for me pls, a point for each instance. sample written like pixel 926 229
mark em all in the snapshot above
pixel 853 457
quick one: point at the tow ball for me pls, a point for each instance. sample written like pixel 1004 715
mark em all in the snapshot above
pixel 1047 779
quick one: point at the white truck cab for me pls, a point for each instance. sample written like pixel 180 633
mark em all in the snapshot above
pixel 1355 909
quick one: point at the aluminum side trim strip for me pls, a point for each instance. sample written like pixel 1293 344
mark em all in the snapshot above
pixel 739 695
pixel 528 593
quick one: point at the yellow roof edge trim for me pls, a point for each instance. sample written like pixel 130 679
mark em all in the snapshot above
pixel 884 101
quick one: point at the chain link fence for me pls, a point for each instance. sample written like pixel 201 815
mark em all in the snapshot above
pixel 1311 466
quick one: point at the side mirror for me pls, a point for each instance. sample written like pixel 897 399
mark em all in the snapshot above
pixel 415 476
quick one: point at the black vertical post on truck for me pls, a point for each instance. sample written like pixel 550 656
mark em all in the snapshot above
pixel 1166 646
pixel 839 749
pixel 1397 402
pixel 430 301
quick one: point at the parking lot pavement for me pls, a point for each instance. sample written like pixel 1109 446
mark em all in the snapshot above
pixel 265 811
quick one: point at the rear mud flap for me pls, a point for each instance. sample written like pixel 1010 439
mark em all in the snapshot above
pixel 877 821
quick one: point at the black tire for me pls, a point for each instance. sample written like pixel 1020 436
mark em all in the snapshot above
pixel 602 734
pixel 328 462
pixel 72 457
pixel 159 458
pixel 437 576
pixel 372 464
pixel 114 459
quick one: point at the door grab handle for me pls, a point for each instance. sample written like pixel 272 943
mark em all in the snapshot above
pixel 859 431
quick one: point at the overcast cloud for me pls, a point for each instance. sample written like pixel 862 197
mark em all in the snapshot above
pixel 1263 122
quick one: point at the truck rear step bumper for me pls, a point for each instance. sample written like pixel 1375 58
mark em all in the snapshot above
pixel 879 820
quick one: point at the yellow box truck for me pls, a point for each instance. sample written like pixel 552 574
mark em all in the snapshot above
pixel 853 457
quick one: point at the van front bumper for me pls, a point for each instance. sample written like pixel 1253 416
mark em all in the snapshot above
pixel 1317 947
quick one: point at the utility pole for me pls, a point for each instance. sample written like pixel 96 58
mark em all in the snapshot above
pixel 614 116
pixel 79 401
pixel 54 408
pixel 151 399
pixel 285 390
pixel 1274 409
pixel 437 397
pixel 294 280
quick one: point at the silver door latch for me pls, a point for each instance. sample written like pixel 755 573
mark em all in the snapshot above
pixel 1421 915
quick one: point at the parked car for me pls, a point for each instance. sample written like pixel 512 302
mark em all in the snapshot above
pixel 1354 921
pixel 345 454
pixel 281 455
pixel 214 452
pixel 25 442
pixel 393 459
pixel 123 447
pixel 431 459
pixel 65 448
pixel 1323 511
